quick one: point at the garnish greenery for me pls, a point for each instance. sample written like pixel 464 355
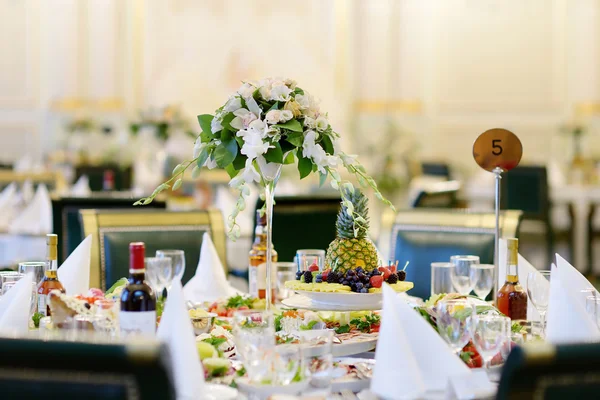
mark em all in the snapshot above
pixel 239 301
pixel 36 317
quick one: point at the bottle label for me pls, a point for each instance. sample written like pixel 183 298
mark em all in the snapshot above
pixel 261 276
pixel 42 303
pixel 137 323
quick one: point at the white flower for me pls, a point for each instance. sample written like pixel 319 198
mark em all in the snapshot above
pixel 253 143
pixel 198 147
pixel 303 100
pixel 321 123
pixel 291 83
pixel 215 125
pixel 280 92
pixel 309 122
pixel 348 159
pixel 246 90
pixel 273 117
pixel 316 153
pixel 286 115
pixel 250 173
pixel 243 118
pixel 259 125
pixel 233 104
pixel 265 92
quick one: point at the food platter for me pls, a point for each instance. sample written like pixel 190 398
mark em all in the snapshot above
pixel 303 302
pixel 352 374
pixel 362 301
pixel 351 343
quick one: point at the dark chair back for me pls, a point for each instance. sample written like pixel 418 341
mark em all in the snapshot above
pixel 526 188
pixel 113 230
pixel 35 369
pixel 440 195
pixel 546 372
pixel 423 236
pixel 303 222
pixel 67 224
pixel 95 174
pixel 435 169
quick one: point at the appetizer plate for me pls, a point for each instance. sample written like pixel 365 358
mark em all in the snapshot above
pixel 357 301
pixel 352 343
pixel 345 379
pixel 264 391
pixel 219 392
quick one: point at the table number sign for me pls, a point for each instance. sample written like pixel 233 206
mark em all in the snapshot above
pixel 497 150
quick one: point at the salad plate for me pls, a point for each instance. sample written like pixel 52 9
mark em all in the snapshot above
pixel 335 303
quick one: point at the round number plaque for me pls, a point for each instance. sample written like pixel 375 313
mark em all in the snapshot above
pixel 497 148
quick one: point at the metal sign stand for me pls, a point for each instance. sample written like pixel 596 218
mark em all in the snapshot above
pixel 498 176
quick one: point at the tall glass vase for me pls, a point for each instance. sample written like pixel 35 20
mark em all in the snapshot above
pixel 270 176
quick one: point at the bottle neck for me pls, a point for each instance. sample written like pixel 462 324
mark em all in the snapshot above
pixel 51 273
pixel 51 259
pixel 260 235
pixel 137 275
pixel 512 266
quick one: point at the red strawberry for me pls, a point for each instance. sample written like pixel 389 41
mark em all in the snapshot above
pixel 497 359
pixel 313 268
pixel 325 274
pixel 392 269
pixel 376 281
pixel 385 272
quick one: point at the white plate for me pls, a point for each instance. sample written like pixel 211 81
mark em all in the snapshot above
pixel 350 299
pixel 354 385
pixel 219 392
pixel 306 303
pixel 264 391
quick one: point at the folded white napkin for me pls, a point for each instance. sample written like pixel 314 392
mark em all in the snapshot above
pixel 411 357
pixel 27 192
pixel 9 205
pixel 568 320
pixel 36 218
pixel 81 188
pixel 209 283
pixel 524 269
pixel 177 332
pixel 15 306
pixel 74 273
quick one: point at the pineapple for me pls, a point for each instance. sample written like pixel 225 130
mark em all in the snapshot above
pixel 352 249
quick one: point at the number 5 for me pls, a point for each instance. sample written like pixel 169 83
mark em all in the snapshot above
pixel 496 146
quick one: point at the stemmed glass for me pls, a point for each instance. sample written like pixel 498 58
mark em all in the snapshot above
pixel 461 273
pixel 482 279
pixel 159 273
pixel 254 333
pixel 489 333
pixel 453 317
pixel 178 259
pixel 591 307
pixel 538 290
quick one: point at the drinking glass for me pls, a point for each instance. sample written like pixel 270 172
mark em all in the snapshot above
pixel 9 276
pixel 286 271
pixel 591 307
pixel 538 290
pixel 507 346
pixel 287 363
pixel 482 279
pixel 178 259
pixel 254 333
pixel 318 358
pixel 453 319
pixel 37 268
pixel 307 257
pixel 461 273
pixel 441 279
pixel 489 332
pixel 159 273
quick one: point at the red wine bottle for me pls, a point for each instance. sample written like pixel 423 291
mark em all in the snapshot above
pixel 138 303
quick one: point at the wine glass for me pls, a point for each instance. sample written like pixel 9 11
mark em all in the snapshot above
pixel 591 307
pixel 453 317
pixel 538 290
pixel 489 333
pixel 507 346
pixel 460 274
pixel 287 362
pixel 482 279
pixel 159 273
pixel 178 259
pixel 254 332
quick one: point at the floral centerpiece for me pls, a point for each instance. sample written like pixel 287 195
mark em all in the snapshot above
pixel 160 120
pixel 263 126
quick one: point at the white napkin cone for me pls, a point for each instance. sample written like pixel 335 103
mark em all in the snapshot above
pixel 27 191
pixel 411 357
pixel 524 269
pixel 36 218
pixel 568 320
pixel 9 205
pixel 74 273
pixel 209 283
pixel 14 307
pixel 177 332
pixel 81 188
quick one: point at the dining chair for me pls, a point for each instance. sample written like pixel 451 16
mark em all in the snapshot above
pixel 66 221
pixel 52 180
pixel 438 195
pixel 113 230
pixel 33 369
pixel 539 370
pixel 423 236
pixel 436 169
pixel 95 173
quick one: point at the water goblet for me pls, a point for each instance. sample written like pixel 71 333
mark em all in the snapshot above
pixel 37 268
pixel 178 259
pixel 591 307
pixel 461 273
pixel 318 358
pixel 441 277
pixel 489 332
pixel 538 291
pixel 254 333
pixel 482 279
pixel 287 363
pixel 159 273
pixel 307 257
pixel 453 319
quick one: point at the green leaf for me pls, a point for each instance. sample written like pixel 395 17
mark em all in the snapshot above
pixel 275 106
pixel 297 90
pixel 206 137
pixel 342 329
pixel 240 141
pixel 226 135
pixel 203 157
pixel 304 165
pixel 225 153
pixel 289 159
pixel 227 121
pixel 292 125
pixel 231 170
pixel 240 161
pixel 327 144
pixel 286 146
pixel 274 154
pixel 322 179
pixel 296 138
pixel 205 121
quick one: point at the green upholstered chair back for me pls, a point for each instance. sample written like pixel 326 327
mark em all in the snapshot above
pixel 95 174
pixel 303 222
pixel 35 369
pixel 67 223
pixel 423 236
pixel 546 372
pixel 526 188
pixel 113 230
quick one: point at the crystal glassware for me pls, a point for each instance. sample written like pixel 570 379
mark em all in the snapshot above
pixel 461 273
pixel 37 268
pixel 307 257
pixel 482 279
pixel 159 273
pixel 453 319
pixel 254 333
pixel 318 358
pixel 441 279
pixel 489 333
pixel 591 307
pixel 287 363
pixel 513 339
pixel 286 271
pixel 538 290
pixel 178 259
